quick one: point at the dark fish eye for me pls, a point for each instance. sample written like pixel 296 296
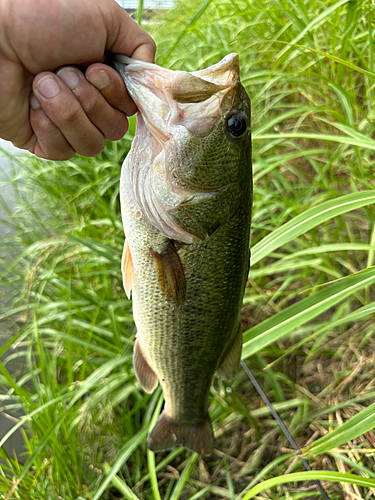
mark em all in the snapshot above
pixel 236 125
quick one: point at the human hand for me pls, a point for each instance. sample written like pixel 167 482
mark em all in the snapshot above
pixel 54 110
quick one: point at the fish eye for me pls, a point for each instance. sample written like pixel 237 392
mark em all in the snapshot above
pixel 236 125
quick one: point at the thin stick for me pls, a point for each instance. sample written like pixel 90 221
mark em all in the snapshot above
pixel 281 425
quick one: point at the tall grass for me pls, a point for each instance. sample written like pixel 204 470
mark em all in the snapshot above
pixel 308 310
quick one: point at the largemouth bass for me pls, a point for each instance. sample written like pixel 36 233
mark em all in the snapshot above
pixel 186 194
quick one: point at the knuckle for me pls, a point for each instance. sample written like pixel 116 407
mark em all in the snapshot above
pixel 42 124
pixel 91 105
pixel 71 116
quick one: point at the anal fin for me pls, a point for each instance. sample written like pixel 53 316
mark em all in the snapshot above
pixel 170 272
pixel 127 269
pixel 144 373
pixel 231 363
pixel 167 434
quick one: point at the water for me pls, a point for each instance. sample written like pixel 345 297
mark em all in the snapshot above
pixel 15 443
pixel 6 191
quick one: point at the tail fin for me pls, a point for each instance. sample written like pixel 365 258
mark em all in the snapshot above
pixel 167 433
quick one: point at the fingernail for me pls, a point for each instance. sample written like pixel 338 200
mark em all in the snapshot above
pixel 69 76
pixel 48 87
pixel 98 78
pixel 34 103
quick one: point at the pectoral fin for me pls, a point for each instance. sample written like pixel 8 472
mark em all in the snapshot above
pixel 170 273
pixel 144 373
pixel 231 363
pixel 127 269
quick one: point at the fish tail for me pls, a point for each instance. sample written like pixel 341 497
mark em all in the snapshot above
pixel 167 433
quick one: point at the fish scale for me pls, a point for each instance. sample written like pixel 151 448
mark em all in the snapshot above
pixel 187 264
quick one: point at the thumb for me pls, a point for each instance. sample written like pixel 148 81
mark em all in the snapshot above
pixel 125 36
pixel 15 88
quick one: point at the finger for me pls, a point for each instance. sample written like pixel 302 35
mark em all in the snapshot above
pixel 112 87
pixel 63 109
pixel 47 141
pixel 125 36
pixel 111 122
pixel 145 51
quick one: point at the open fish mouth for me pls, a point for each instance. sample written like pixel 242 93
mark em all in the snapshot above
pixel 168 99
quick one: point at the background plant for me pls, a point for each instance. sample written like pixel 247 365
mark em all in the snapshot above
pixel 308 310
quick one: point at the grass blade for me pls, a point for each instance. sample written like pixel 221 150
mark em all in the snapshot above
pixel 120 484
pixel 356 426
pixel 124 455
pixel 309 219
pixel 151 455
pixel 310 476
pixel 184 477
pixel 280 324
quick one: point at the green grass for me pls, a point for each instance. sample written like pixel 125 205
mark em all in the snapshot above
pixel 309 305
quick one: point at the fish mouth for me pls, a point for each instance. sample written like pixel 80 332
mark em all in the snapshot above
pixel 168 99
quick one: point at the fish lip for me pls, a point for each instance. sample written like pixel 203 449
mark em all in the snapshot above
pixel 224 72
pixel 152 108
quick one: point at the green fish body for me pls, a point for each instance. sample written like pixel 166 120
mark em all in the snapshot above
pixel 186 194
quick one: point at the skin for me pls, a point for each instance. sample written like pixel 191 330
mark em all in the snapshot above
pixel 49 106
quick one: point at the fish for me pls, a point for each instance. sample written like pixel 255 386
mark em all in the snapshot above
pixel 186 197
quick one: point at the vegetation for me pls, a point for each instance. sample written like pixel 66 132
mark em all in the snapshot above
pixel 309 306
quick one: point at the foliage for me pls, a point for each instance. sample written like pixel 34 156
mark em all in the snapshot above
pixel 307 316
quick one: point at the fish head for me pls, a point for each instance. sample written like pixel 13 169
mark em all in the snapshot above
pixel 193 132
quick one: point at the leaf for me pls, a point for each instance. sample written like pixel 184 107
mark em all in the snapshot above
pixel 105 250
pixel 268 470
pixel 272 329
pixel 309 219
pixel 315 23
pixel 92 380
pixel 363 141
pixel 120 484
pixel 348 64
pixel 310 476
pixel 151 455
pixel 362 422
pixel 124 455
pixel 357 315
pixel 184 476
pixel 192 22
